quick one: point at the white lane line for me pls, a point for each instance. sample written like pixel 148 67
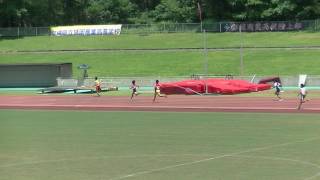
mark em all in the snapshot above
pixel 100 157
pixel 212 158
pixel 280 159
pixel 313 177
pixel 150 107
pixel 287 159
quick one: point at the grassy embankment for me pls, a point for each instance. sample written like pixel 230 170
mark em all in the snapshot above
pixel 172 63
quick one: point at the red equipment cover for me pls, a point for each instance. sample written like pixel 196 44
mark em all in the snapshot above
pixel 183 87
pixel 270 79
pixel 217 86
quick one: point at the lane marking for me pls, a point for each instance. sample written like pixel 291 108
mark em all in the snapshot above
pixel 149 107
pixel 100 157
pixel 287 159
pixel 212 158
pixel 280 159
pixel 312 177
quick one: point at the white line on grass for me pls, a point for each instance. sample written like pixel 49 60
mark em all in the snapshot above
pixel 280 159
pixel 286 159
pixel 149 107
pixel 98 158
pixel 314 176
pixel 212 158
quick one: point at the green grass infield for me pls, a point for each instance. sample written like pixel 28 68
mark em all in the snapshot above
pixel 74 145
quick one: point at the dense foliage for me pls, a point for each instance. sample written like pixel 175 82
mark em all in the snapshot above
pixel 67 12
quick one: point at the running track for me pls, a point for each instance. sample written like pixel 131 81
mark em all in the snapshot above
pixel 176 103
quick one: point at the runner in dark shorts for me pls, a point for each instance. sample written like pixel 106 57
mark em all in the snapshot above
pixel 134 88
pixel 277 86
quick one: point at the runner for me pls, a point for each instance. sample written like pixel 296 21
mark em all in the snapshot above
pixel 302 95
pixel 134 88
pixel 157 91
pixel 97 85
pixel 277 86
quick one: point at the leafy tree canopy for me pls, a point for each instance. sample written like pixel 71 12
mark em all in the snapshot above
pixel 26 13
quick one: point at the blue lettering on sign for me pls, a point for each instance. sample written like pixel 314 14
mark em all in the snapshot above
pixel 262 26
pixel 89 31
pixel 99 31
pixel 82 32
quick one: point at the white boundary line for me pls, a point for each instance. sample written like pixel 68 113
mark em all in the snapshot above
pixel 97 158
pixel 312 177
pixel 280 159
pixel 286 159
pixel 236 154
pixel 212 158
pixel 149 107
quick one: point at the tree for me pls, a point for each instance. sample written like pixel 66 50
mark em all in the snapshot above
pixel 74 11
pixel 257 10
pixel 280 10
pixel 176 11
pixel 26 13
pixel 46 13
pixel 308 9
pixel 14 13
pixel 111 11
pixel 145 5
pixel 217 10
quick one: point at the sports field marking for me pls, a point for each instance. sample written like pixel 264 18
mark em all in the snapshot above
pixel 100 157
pixel 284 159
pixel 213 158
pixel 149 107
pixel 280 159
pixel 312 177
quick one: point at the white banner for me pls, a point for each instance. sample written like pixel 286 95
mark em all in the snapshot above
pixel 86 30
pixel 302 79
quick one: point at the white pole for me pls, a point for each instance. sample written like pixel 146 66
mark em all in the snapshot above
pixel 205 58
pixel 252 79
pixel 241 52
pixel 205 52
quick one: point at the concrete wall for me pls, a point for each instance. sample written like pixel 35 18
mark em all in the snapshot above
pixel 33 75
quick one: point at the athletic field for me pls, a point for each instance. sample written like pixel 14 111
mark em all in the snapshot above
pixel 242 137
pixel 102 144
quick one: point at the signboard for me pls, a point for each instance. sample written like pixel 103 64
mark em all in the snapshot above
pixel 261 26
pixel 86 30
pixel 302 79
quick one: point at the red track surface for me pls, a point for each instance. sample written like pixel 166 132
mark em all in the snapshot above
pixel 179 103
